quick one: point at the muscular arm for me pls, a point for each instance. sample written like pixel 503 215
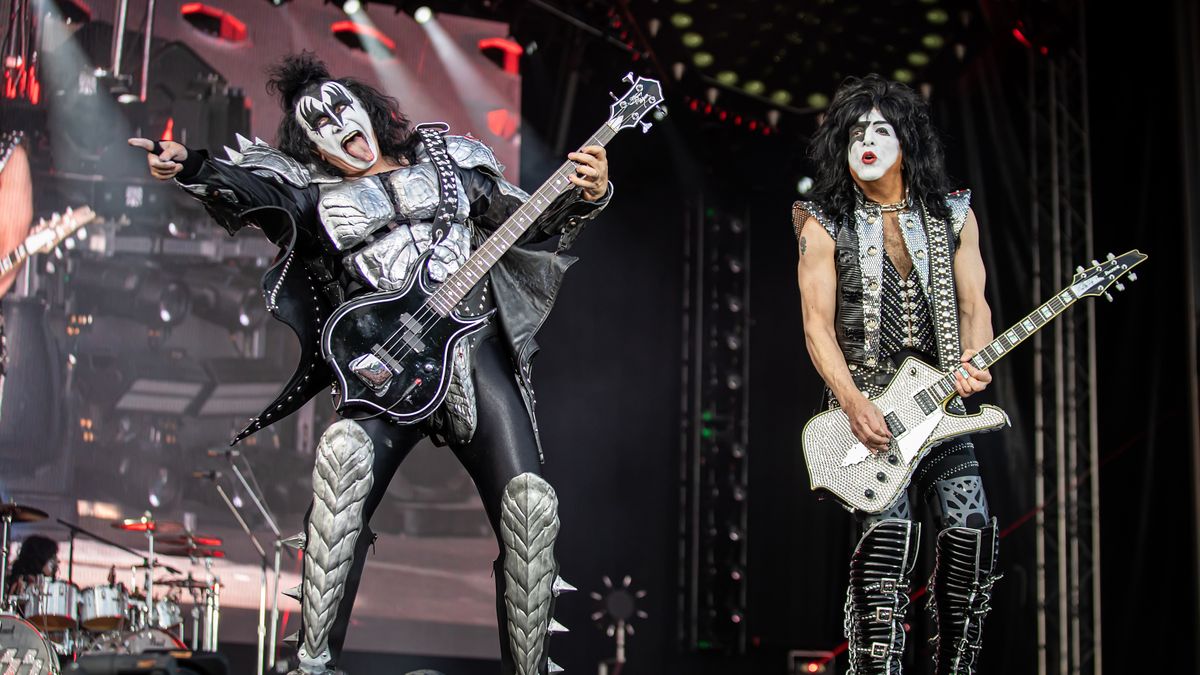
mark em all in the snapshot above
pixel 975 317
pixel 817 278
pixel 16 208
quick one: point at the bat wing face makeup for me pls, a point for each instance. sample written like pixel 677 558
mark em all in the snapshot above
pixel 338 124
pixel 873 148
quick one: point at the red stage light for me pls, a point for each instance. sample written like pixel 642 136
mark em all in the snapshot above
pixel 753 125
pixel 502 123
pixel 168 133
pixel 694 105
pixel 512 52
pixel 214 21
pixel 708 109
pixel 352 34
pixel 1021 38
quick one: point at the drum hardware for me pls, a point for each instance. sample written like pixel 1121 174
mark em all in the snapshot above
pixel 24 647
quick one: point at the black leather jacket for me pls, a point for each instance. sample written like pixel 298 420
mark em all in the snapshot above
pixel 305 283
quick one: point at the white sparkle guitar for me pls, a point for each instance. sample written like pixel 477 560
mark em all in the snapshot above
pixel 914 407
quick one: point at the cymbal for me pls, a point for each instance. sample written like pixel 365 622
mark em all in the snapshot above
pixel 22 514
pixel 191 540
pixel 143 525
pixel 192 551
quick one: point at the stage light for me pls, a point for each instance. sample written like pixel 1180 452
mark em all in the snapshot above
pixel 918 59
pixel 933 41
pixel 755 87
pixel 351 6
pixel 903 75
pixel 727 78
pixel 702 59
pixel 937 16
pixel 681 20
pixel 804 185
pixel 817 100
pixel 423 15
pixel 692 40
pixel 781 97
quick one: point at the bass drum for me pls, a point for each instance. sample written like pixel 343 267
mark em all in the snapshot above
pixel 25 651
pixel 134 642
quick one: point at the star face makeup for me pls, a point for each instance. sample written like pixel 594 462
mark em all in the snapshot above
pixel 338 124
pixel 873 147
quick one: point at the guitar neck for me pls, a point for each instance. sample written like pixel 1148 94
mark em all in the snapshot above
pixel 473 270
pixel 1006 341
pixel 18 256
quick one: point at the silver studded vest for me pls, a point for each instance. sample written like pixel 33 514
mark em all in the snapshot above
pixel 859 263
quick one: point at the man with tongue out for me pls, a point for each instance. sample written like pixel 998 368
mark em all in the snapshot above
pixel 889 267
pixel 350 196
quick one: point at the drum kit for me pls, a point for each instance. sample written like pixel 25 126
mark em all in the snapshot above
pixel 45 621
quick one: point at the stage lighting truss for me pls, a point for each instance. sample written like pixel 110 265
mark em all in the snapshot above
pixel 714 459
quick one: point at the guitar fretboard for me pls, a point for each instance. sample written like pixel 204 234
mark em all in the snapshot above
pixel 13 259
pixel 473 270
pixel 997 348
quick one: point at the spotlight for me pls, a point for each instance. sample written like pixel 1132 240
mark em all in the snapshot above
pixel 804 185
pixel 423 14
pixel 351 6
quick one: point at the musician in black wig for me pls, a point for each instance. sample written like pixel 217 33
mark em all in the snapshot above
pixel 890 268
pixel 37 558
pixel 361 202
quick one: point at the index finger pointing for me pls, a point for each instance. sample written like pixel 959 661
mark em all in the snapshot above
pixel 143 143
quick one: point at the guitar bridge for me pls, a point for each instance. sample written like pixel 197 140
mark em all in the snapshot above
pixel 375 369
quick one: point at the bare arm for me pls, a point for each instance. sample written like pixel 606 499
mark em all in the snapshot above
pixel 16 208
pixel 817 278
pixel 975 317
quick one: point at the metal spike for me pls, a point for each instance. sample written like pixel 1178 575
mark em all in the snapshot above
pixel 243 142
pixel 629 629
pixel 561 586
pixel 259 141
pixel 597 615
pixel 641 614
pixel 292 640
pixel 294 592
pixel 596 596
pixel 556 627
pixel 626 581
pixel 552 667
pixel 607 581
pixel 296 541
pixel 610 631
pixel 234 156
pixel 1133 276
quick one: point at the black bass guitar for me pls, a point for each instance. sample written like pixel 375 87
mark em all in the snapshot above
pixel 391 352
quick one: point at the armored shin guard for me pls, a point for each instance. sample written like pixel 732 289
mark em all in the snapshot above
pixel 528 528
pixel 877 598
pixel 342 478
pixel 960 595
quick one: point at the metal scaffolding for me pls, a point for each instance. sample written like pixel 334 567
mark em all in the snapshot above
pixel 1065 406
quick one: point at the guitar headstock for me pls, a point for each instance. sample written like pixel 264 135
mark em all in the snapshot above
pixel 643 96
pixel 47 234
pixel 1097 279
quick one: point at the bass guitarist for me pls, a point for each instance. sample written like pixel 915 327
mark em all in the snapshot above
pixel 889 268
pixel 358 200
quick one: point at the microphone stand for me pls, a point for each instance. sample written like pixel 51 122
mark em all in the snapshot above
pixel 259 502
pixel 262 588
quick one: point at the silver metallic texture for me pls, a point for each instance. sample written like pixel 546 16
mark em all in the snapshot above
pixel 528 528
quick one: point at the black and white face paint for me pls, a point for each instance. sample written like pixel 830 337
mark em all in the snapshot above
pixel 338 124
pixel 873 147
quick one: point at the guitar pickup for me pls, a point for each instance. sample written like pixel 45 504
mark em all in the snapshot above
pixel 373 370
pixel 894 424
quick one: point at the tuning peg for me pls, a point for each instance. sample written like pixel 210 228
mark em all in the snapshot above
pixel 1111 257
pixel 628 78
pixel 1079 270
pixel 1095 263
pixel 613 96
pixel 1133 276
pixel 1108 297
pixel 1120 286
pixel 645 127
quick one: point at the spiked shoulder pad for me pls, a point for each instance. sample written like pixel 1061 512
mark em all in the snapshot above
pixel 470 153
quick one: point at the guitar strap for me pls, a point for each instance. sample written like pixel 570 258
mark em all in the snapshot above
pixel 435 145
pixel 943 300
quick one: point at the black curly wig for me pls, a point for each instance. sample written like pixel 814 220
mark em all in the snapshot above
pixel 35 552
pixel 296 73
pixel 923 164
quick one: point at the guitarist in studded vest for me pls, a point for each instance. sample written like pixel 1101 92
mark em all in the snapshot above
pixel 359 201
pixel 890 268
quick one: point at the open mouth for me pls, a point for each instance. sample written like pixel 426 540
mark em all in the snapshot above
pixel 868 157
pixel 355 145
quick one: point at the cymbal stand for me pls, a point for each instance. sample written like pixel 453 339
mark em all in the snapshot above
pixel 262 591
pixel 270 520
pixel 4 606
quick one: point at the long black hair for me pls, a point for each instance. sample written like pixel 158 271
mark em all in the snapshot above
pixel 297 72
pixel 35 552
pixel 923 164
